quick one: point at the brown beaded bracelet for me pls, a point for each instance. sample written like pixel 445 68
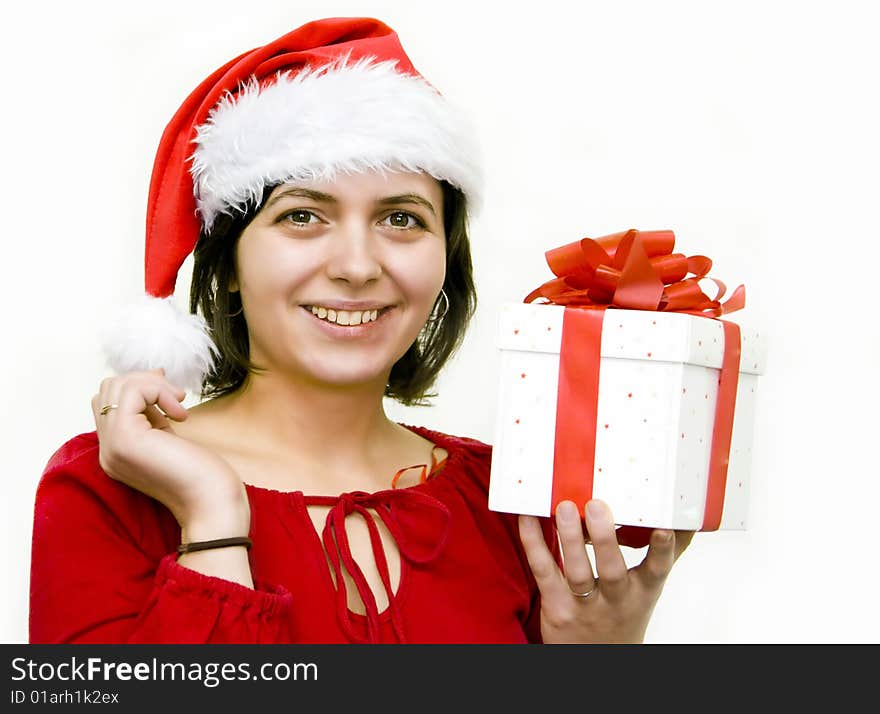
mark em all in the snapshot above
pixel 208 544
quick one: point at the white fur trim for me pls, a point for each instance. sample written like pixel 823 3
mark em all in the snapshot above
pixel 153 333
pixel 338 118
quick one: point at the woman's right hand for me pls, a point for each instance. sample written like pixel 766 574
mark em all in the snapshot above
pixel 139 448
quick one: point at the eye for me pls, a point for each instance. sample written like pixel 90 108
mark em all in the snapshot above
pixel 299 216
pixel 402 219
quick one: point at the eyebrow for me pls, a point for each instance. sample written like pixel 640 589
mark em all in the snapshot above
pixel 322 197
pixel 318 196
pixel 409 198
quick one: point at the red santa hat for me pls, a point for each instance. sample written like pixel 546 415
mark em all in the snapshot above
pixel 335 95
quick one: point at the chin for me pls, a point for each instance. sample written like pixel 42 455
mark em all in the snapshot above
pixel 347 374
pixel 343 365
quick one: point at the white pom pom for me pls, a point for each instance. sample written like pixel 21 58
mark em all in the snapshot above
pixel 153 333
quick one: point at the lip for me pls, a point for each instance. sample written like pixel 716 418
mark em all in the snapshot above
pixel 365 329
pixel 350 305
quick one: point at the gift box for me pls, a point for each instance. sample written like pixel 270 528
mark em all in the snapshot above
pixel 651 411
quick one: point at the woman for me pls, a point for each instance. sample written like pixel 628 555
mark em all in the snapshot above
pixel 326 203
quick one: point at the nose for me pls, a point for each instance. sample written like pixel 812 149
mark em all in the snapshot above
pixel 354 257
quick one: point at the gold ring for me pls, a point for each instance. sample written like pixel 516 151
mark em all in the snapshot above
pixel 108 407
pixel 583 595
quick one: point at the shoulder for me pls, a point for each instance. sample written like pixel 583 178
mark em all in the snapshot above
pixel 73 475
pixel 79 454
pixel 76 500
pixel 443 439
pixel 467 467
pixel 462 450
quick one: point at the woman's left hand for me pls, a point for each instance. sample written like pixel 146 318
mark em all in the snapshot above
pixel 621 600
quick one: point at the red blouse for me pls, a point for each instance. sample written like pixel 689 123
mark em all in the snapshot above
pixel 104 565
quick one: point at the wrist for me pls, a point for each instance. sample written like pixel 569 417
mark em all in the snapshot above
pixel 197 546
pixel 229 524
pixel 228 518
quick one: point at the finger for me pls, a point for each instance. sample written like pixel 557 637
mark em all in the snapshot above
pixel 99 398
pixel 682 541
pixel 157 419
pixel 578 571
pixel 654 569
pixel 136 393
pixel 537 553
pixel 555 594
pixel 634 536
pixel 179 393
pixel 167 407
pixel 111 387
pixel 107 391
pixel 169 401
pixel 610 565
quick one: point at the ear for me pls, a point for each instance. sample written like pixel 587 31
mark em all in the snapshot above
pixel 233 285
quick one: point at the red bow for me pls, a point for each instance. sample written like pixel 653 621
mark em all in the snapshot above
pixel 636 270
pixel 419 524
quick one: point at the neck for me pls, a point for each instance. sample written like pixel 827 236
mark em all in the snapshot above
pixel 337 427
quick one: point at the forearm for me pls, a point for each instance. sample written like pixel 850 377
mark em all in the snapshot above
pixel 104 570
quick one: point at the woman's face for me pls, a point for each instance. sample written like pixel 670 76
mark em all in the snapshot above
pixel 338 278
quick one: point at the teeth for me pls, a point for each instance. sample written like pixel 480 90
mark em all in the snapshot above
pixel 344 317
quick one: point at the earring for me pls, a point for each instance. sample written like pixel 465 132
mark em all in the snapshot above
pixel 445 306
pixel 238 312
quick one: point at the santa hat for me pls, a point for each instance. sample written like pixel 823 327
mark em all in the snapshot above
pixel 335 95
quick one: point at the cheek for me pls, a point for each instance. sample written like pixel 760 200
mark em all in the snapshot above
pixel 264 270
pixel 420 274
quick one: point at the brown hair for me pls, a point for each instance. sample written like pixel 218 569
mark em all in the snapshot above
pixel 412 376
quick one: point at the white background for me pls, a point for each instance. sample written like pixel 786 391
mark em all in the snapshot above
pixel 749 128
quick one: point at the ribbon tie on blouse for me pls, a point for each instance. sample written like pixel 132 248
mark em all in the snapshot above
pixel 419 525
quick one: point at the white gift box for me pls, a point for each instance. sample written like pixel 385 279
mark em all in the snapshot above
pixel 658 386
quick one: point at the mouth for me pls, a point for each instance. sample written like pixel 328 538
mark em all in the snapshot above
pixel 347 318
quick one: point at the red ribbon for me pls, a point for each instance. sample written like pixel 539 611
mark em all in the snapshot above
pixel 419 525
pixel 723 429
pixel 576 407
pixel 634 270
